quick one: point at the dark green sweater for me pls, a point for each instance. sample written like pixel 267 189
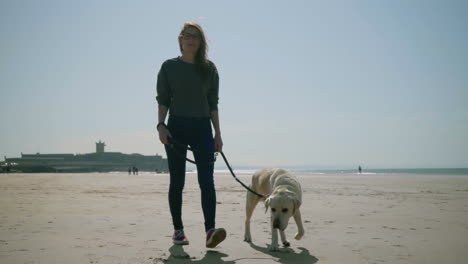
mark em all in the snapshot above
pixel 181 89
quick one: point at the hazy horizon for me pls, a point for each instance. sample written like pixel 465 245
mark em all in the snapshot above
pixel 320 84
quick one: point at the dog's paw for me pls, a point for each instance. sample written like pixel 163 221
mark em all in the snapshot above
pixel 286 243
pixel 273 248
pixel 299 236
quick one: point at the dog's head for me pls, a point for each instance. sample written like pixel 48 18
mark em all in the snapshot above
pixel 283 205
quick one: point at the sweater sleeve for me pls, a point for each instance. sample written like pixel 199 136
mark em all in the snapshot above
pixel 162 88
pixel 213 93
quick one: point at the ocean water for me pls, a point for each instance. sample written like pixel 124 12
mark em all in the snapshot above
pixel 419 171
pixel 425 171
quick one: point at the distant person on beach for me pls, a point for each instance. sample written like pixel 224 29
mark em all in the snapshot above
pixel 187 87
pixel 129 170
pixel 360 169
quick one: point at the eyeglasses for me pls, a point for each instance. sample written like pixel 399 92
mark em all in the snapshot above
pixel 188 36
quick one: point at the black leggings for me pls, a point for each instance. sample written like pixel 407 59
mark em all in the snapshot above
pixel 196 133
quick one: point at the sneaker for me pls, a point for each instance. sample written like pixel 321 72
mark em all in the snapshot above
pixel 214 237
pixel 179 238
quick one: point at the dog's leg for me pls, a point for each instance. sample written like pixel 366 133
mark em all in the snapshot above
pixel 274 239
pixel 251 203
pixel 300 227
pixel 283 239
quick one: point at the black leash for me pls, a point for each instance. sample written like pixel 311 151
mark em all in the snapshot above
pixel 173 142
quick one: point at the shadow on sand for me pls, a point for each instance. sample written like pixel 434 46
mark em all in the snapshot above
pixel 178 255
pixel 285 256
pixel 288 255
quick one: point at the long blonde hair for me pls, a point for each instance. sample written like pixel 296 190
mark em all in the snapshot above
pixel 201 58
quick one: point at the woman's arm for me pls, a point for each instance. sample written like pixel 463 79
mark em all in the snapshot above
pixel 217 138
pixel 162 129
pixel 162 113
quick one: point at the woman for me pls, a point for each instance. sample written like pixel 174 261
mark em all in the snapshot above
pixel 188 88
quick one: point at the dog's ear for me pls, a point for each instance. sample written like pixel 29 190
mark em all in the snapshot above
pixel 267 204
pixel 296 203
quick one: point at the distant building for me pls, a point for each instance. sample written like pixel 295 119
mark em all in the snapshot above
pixel 100 147
pixel 100 161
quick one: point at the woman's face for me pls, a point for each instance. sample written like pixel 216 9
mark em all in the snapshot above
pixel 190 40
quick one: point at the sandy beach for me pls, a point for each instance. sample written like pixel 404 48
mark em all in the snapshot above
pixel 120 218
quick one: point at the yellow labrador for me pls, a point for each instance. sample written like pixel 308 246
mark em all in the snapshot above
pixel 284 200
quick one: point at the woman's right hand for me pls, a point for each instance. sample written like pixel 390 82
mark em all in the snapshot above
pixel 163 134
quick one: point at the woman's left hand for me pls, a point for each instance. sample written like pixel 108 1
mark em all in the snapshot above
pixel 218 143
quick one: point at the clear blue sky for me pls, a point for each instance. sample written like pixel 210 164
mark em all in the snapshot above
pixel 313 83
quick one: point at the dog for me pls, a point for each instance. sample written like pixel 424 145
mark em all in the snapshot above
pixel 285 199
